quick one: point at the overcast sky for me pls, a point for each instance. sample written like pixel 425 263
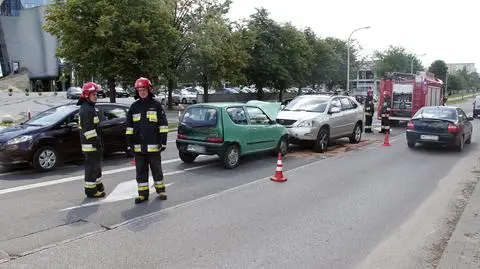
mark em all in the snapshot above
pixel 446 30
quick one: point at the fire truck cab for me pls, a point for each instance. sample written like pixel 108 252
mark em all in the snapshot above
pixel 407 93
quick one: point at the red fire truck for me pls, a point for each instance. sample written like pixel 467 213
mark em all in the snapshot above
pixel 408 93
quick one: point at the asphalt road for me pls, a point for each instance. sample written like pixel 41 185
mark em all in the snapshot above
pixel 334 210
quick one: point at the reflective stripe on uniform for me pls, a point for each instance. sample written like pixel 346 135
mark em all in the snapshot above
pixel 129 131
pixel 90 134
pixel 90 185
pixel 152 148
pixel 152 116
pixel 159 184
pixel 137 148
pixel 136 117
pixel 143 186
pixel 96 120
pixel 98 181
pixel 368 126
pixel 163 129
pixel 368 114
pixel 385 127
pixel 88 148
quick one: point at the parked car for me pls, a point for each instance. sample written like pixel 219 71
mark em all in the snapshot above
pixel 230 130
pixel 476 106
pixel 52 136
pixel 440 125
pixel 74 92
pixel 321 118
pixel 184 96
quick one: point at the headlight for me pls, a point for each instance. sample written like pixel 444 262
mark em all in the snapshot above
pixel 306 123
pixel 19 139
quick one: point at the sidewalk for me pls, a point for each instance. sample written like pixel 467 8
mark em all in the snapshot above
pixel 463 249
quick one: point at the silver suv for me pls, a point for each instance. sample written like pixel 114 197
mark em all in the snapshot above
pixel 320 118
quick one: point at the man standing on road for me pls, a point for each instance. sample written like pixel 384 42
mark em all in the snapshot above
pixel 386 113
pixel 369 111
pixel 147 129
pixel 91 140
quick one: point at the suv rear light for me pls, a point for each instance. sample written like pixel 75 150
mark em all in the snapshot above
pixel 410 125
pixel 453 128
pixel 215 139
pixel 182 136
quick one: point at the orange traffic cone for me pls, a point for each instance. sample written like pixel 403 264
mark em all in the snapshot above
pixel 386 141
pixel 278 176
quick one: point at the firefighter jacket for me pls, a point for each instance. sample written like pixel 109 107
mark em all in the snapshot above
pixel 386 109
pixel 369 106
pixel 147 126
pixel 90 132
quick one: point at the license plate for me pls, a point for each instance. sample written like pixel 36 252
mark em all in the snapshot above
pixel 429 137
pixel 196 148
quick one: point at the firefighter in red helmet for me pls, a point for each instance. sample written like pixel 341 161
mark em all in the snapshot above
pixel 147 129
pixel 91 140
pixel 386 113
pixel 369 111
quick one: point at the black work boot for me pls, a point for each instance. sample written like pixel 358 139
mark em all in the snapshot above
pixel 140 199
pixel 162 196
pixel 93 193
pixel 100 187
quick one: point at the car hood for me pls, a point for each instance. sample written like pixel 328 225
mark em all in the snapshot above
pixel 298 115
pixel 270 108
pixel 14 131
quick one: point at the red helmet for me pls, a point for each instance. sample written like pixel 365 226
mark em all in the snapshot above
pixel 143 83
pixel 370 91
pixel 89 88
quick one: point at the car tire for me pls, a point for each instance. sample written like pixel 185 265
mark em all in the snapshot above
pixel 45 159
pixel 459 147
pixel 163 102
pixel 184 101
pixel 356 136
pixel 469 140
pixel 187 157
pixel 321 143
pixel 411 144
pixel 230 158
pixel 282 146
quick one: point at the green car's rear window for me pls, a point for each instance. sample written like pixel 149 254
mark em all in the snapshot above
pixel 200 117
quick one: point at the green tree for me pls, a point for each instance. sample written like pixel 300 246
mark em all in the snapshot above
pixel 98 39
pixel 396 59
pixel 339 61
pixel 455 83
pixel 439 68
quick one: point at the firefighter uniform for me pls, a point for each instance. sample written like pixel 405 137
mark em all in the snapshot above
pixel 385 117
pixel 369 111
pixel 147 129
pixel 92 148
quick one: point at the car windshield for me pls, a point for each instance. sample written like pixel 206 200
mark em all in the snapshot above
pixel 51 116
pixel 436 113
pixel 309 103
pixel 200 117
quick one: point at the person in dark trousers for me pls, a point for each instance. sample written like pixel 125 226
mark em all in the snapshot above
pixel 369 111
pixel 91 140
pixel 386 113
pixel 147 129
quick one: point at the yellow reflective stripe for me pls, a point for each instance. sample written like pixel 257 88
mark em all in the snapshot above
pixel 137 148
pixel 152 148
pixel 159 185
pixel 96 120
pixel 88 148
pixel 152 116
pixel 136 117
pixel 143 186
pixel 163 129
pixel 90 134
pixel 129 131
pixel 90 185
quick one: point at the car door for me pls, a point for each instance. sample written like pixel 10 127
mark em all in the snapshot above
pixel 465 124
pixel 113 125
pixel 263 129
pixel 67 133
pixel 335 119
pixel 349 116
pixel 240 130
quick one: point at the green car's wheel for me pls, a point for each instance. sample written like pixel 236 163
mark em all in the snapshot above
pixel 230 158
pixel 282 146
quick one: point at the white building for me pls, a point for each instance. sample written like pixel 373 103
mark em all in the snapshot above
pixel 455 67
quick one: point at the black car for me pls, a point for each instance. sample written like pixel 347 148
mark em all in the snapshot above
pixel 52 136
pixel 441 125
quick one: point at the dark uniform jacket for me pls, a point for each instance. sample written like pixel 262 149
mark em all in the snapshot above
pixel 90 132
pixel 369 106
pixel 147 126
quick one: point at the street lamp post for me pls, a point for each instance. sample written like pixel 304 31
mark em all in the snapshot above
pixel 348 55
pixel 411 64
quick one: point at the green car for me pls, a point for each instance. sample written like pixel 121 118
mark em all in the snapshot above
pixel 230 130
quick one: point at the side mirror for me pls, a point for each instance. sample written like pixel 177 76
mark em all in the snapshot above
pixel 282 107
pixel 272 122
pixel 334 110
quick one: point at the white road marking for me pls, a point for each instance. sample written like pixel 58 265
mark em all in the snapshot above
pixel 69 179
pixel 128 189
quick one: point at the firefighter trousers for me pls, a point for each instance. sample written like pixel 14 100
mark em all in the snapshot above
pixel 368 124
pixel 93 172
pixel 142 163
pixel 385 125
